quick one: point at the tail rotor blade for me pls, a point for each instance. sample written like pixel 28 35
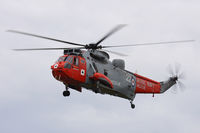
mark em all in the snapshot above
pixel 181 85
pixel 170 70
pixel 175 73
pixel 182 75
pixel 177 68
pixel 174 89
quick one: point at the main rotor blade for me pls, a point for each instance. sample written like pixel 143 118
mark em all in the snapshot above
pixel 143 44
pixel 36 49
pixel 116 53
pixel 115 29
pixel 48 38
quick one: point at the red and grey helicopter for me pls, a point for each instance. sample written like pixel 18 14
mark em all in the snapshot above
pixel 88 66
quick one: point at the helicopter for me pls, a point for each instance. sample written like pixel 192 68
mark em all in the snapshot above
pixel 88 66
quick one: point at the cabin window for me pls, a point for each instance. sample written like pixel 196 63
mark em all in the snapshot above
pixel 105 72
pixel 82 61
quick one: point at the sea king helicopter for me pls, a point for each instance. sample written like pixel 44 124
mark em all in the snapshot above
pixel 88 66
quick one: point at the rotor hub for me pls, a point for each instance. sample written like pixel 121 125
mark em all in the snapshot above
pixel 174 78
pixel 93 46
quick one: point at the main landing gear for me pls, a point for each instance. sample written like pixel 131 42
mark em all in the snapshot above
pixel 66 93
pixel 132 105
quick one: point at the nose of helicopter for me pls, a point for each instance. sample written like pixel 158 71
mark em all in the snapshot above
pixel 57 71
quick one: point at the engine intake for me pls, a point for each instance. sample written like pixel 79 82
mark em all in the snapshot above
pixel 118 63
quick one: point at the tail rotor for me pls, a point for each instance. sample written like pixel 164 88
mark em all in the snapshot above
pixel 178 76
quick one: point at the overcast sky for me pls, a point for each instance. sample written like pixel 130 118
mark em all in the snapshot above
pixel 31 99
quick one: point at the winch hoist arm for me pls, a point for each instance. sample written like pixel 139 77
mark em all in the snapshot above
pixel 94 70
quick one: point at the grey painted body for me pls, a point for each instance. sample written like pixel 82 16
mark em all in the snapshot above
pixel 121 79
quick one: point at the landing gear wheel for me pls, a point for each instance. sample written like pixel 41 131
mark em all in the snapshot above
pixel 66 93
pixel 132 106
pixel 97 89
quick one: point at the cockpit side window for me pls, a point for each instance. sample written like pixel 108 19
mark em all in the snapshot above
pixel 69 59
pixel 75 60
pixel 61 59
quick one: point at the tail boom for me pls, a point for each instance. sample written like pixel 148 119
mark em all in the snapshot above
pixel 146 85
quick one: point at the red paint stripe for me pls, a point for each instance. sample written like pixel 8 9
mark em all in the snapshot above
pixel 146 85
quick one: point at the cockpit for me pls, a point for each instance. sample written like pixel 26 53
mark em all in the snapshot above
pixel 70 66
pixel 70 60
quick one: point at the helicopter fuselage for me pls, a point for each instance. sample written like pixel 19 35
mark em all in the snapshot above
pixel 93 70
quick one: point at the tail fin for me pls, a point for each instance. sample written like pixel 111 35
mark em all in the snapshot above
pixel 165 85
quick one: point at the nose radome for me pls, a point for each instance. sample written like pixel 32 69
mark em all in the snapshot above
pixel 57 71
pixel 56 66
pixel 52 67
